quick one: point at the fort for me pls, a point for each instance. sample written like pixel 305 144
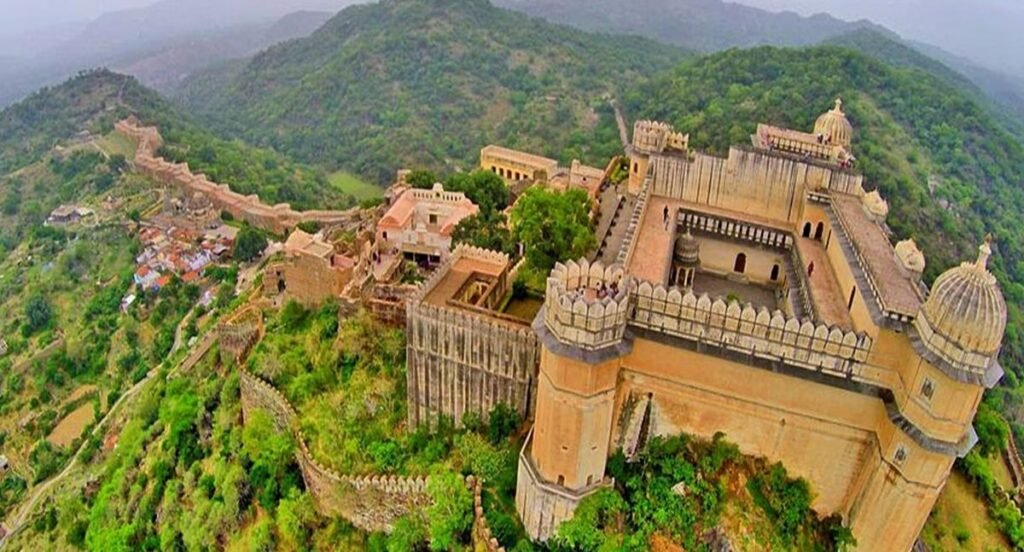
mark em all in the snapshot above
pixel 758 295
pixel 279 219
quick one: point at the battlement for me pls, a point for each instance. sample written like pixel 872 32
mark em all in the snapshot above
pixel 437 193
pixel 587 305
pixel 657 137
pixel 749 331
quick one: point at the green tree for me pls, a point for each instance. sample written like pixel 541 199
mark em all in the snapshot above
pixel 38 313
pixel 596 524
pixel 249 244
pixel 487 231
pixel 483 188
pixel 451 514
pixel 421 179
pixel 992 430
pixel 553 226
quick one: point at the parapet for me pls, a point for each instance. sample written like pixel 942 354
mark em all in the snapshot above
pixel 656 137
pixel 587 304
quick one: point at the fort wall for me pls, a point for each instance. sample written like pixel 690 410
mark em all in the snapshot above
pixel 279 218
pixel 773 185
pixel 465 359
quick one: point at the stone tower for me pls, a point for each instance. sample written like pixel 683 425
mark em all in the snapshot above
pixel 582 332
pixel 651 137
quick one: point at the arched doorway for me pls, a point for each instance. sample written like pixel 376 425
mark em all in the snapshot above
pixel 741 263
pixel 820 230
pixel 807 230
pixel 775 273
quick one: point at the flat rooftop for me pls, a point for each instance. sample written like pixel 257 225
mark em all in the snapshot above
pixel 829 300
pixel 895 289
pixel 460 272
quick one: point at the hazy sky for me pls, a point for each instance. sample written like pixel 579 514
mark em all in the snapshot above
pixel 988 31
pixel 28 14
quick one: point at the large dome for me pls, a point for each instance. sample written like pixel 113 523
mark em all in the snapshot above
pixel 963 320
pixel 834 124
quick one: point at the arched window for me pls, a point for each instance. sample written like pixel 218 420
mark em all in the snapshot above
pixel 741 263
pixel 775 273
pixel 819 231
pixel 561 480
pixel 807 230
pixel 636 168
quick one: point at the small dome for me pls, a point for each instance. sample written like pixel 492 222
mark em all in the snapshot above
pixel 687 249
pixel 877 207
pixel 834 125
pixel 910 256
pixel 967 310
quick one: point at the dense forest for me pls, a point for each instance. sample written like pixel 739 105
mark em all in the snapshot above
pixel 426 84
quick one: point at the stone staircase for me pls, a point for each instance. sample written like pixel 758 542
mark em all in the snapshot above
pixel 612 226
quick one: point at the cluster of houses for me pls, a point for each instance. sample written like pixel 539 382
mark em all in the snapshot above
pixel 174 251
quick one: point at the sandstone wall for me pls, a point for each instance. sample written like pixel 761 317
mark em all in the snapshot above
pixel 771 185
pixel 461 362
pixel 278 218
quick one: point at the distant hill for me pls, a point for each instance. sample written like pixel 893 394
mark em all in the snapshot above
pixel 169 66
pixel 164 42
pixel 94 100
pixel 427 83
pixel 715 25
pixel 703 25
pixel 948 168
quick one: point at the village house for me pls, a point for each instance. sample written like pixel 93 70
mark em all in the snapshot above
pixel 419 224
pixel 310 272
pixel 68 214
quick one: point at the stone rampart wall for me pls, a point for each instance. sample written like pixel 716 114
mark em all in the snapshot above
pixel 574 317
pixel 772 185
pixel 460 362
pixel 278 218
pixel 371 503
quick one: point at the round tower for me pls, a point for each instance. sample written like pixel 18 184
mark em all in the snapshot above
pixel 582 330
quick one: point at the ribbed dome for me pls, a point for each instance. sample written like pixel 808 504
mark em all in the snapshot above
pixel 834 124
pixel 967 308
pixel 687 249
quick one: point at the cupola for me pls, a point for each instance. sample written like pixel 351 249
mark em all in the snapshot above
pixel 835 127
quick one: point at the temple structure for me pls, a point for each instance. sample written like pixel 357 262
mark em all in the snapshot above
pixel 760 296
pixel 312 270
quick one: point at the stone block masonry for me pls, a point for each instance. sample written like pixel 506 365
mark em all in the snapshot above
pixel 278 219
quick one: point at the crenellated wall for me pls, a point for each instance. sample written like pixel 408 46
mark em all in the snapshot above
pixel 279 218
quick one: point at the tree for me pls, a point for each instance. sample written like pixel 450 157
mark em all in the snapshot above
pixel 553 226
pixel 483 188
pixel 249 244
pixel 596 513
pixel 38 313
pixel 421 179
pixel 992 430
pixel 451 514
pixel 487 231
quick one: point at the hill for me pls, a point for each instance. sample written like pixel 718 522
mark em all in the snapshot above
pixel 427 83
pixel 703 25
pixel 93 101
pixel 715 25
pixel 949 170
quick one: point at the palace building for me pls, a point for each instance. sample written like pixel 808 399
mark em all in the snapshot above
pixel 760 296
pixel 757 295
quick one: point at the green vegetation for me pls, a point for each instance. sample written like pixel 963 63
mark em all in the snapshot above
pixel 426 84
pixel 249 244
pixel 350 184
pixel 679 490
pixel 553 226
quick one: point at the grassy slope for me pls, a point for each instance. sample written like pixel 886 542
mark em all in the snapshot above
pixel 959 512
pixel 427 83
